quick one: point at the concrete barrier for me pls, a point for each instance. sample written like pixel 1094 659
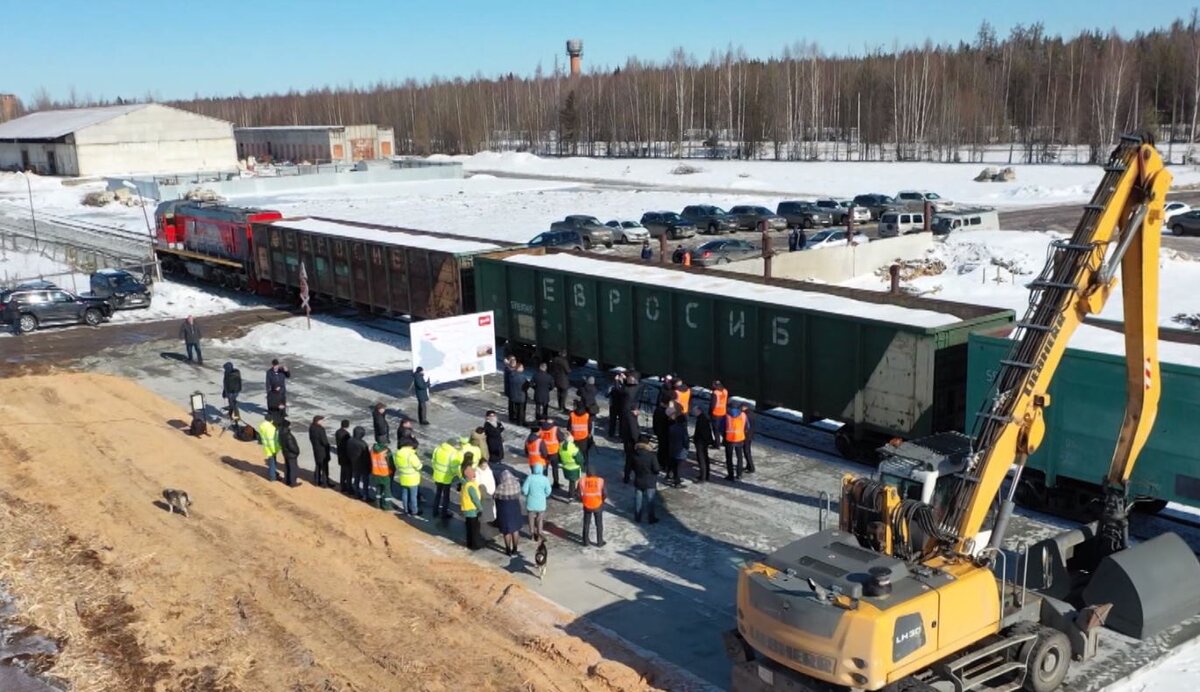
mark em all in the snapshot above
pixel 837 264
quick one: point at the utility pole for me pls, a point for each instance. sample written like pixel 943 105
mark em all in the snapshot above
pixel 32 216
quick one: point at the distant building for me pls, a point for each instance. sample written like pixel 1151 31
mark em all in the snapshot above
pixel 316 143
pixel 111 140
pixel 10 105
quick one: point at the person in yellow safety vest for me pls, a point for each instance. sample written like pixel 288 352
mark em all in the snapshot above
pixel 553 437
pixel 408 475
pixel 735 442
pixel 465 445
pixel 592 494
pixel 446 461
pixel 471 503
pixel 268 437
pixel 581 429
pixel 381 474
pixel 568 456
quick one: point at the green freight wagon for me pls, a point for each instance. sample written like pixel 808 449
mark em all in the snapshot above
pixel 379 269
pixel 1087 403
pixel 885 365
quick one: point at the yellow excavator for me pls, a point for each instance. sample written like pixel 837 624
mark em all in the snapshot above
pixel 915 589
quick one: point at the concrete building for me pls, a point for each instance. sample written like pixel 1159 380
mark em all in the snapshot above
pixel 316 143
pixel 111 140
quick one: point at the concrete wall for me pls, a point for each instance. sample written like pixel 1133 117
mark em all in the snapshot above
pixel 155 139
pixel 65 160
pixel 837 264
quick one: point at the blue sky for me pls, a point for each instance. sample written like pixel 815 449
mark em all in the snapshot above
pixel 176 49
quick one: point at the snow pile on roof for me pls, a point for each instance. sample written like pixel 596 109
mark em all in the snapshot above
pixel 396 237
pixel 650 275
pixel 340 345
pixel 52 124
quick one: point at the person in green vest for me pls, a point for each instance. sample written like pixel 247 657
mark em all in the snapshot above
pixel 465 445
pixel 268 437
pixel 446 462
pixel 408 476
pixel 471 503
pixel 568 459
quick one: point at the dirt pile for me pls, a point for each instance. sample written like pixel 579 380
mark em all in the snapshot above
pixel 264 587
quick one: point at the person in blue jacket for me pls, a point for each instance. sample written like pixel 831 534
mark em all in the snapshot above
pixel 536 490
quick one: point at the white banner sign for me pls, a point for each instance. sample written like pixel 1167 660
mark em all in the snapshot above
pixel 455 348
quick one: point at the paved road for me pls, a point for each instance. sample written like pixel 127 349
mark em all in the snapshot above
pixel 1064 217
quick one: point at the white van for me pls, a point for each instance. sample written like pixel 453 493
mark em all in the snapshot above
pixel 968 219
pixel 894 223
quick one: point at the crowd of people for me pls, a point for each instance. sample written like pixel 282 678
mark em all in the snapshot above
pixel 387 470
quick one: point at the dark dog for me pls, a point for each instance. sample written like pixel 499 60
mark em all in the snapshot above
pixel 541 558
pixel 177 500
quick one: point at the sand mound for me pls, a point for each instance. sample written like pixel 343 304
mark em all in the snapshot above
pixel 264 587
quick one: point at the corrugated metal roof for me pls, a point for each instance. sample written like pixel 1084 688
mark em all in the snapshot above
pixel 53 124
pixel 293 127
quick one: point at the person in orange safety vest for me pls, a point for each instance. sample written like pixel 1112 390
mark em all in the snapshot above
pixel 736 426
pixel 593 495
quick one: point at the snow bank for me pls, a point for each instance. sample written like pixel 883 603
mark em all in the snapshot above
pixel 1178 671
pixel 338 345
pixel 649 275
pixel 175 300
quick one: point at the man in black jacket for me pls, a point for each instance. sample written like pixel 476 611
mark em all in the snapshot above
pixel 560 370
pixel 631 430
pixel 703 437
pixel 543 382
pixel 277 401
pixel 359 457
pixel 340 438
pixel 587 394
pixel 493 433
pixel 616 403
pixel 516 393
pixel 291 452
pixel 645 480
pixel 319 440
pixel 231 387
pixel 379 422
pixel 189 331
pixel 421 390
pixel 751 422
pixel 277 376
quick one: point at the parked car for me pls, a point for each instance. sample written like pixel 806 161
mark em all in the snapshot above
pixel 979 219
pixel 1175 209
pixel 42 304
pixel 122 289
pixel 709 219
pixel 625 231
pixel 748 217
pixel 589 227
pixel 563 240
pixel 721 251
pixel 833 237
pixel 674 226
pixel 840 209
pixel 894 223
pixel 798 214
pixel 876 204
pixel 1187 223
pixel 914 200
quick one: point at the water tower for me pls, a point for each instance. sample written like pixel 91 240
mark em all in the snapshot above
pixel 575 53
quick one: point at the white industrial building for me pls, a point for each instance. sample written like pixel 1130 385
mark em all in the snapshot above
pixel 316 143
pixel 110 140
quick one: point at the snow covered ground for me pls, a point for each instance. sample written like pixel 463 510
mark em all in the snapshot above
pixel 1034 185
pixel 340 345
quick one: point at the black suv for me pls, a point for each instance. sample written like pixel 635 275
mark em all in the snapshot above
pixel 709 219
pixel 565 240
pixel 877 204
pixel 123 289
pixel 669 223
pixel 749 216
pixel 804 214
pixel 41 304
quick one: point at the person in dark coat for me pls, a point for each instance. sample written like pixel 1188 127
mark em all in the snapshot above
pixel 231 387
pixel 516 394
pixel 587 394
pixel 630 429
pixel 277 401
pixel 420 387
pixel 543 382
pixel 703 437
pixel 358 454
pixel 277 376
pixel 560 370
pixel 645 480
pixel 616 403
pixel 340 438
pixel 660 423
pixel 189 331
pixel 379 423
pixel 319 439
pixel 751 421
pixel 509 367
pixel 677 444
pixel 493 431
pixel 291 452
pixel 647 253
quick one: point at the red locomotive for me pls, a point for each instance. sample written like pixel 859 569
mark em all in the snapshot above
pixel 211 241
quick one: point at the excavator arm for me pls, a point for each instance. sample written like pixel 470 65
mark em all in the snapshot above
pixel 1120 228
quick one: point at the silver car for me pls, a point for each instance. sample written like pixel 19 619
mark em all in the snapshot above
pixel 626 231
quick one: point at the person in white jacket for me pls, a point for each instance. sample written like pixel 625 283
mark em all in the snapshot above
pixel 487 482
